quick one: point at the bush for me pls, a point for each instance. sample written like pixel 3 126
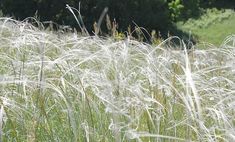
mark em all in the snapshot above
pixel 176 7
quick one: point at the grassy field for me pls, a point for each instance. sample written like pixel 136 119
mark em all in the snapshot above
pixel 212 27
pixel 60 86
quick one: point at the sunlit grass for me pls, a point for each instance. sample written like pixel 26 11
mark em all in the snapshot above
pixel 59 86
pixel 211 27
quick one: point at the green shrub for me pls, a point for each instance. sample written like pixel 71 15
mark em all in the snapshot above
pixel 176 8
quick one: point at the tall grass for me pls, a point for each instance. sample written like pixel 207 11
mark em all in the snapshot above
pixel 59 86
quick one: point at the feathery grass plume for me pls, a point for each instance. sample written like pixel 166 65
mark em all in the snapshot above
pixel 94 89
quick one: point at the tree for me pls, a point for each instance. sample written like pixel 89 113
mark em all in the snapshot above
pixel 18 8
pixel 151 14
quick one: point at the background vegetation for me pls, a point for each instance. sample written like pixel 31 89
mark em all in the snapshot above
pixel 212 26
pixel 156 15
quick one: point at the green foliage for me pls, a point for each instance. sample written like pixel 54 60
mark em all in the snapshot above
pixel 176 8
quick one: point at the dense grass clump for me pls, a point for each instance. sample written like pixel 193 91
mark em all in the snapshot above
pixel 58 86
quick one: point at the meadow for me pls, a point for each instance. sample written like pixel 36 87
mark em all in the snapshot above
pixel 211 27
pixel 62 86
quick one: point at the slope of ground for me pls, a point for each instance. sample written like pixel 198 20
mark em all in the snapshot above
pixel 212 27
